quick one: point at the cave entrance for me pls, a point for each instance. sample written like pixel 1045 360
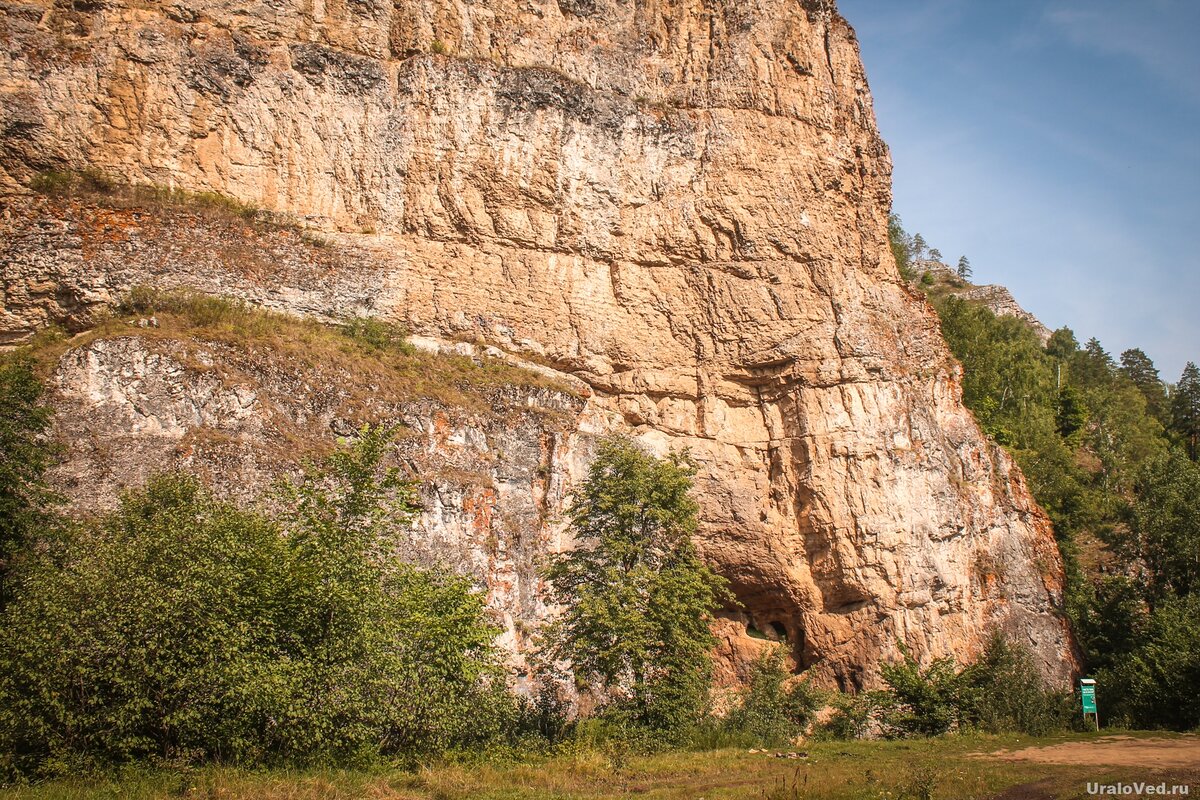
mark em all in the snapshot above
pixel 789 633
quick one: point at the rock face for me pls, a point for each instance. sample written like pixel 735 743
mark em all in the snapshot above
pixel 497 463
pixel 682 205
pixel 997 299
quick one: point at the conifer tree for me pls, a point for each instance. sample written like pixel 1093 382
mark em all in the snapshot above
pixel 1140 369
pixel 1185 410
pixel 918 246
pixel 964 268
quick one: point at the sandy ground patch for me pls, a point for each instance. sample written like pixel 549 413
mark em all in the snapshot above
pixel 1181 752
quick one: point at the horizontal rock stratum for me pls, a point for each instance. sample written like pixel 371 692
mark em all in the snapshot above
pixel 683 205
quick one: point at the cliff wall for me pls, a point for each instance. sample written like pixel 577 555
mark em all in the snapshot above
pixel 680 205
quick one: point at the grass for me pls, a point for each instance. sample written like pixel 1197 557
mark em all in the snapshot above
pixel 92 183
pixel 370 359
pixel 945 768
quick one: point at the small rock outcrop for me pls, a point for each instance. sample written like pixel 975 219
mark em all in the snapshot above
pixel 683 206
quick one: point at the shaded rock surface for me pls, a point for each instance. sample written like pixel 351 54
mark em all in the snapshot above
pixel 681 205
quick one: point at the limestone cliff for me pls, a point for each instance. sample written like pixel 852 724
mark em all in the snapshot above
pixel 682 205
pixel 995 298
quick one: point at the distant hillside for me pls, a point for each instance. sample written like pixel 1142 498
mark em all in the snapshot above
pixel 938 279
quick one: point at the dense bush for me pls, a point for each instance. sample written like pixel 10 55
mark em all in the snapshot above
pixel 1154 683
pixel 772 709
pixel 922 701
pixel 853 716
pixel 180 628
pixel 1001 692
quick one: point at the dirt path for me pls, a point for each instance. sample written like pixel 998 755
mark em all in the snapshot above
pixel 1182 752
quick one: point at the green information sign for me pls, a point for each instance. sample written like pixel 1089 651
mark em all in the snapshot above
pixel 1088 695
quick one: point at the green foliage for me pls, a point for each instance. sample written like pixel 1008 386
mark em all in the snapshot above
pixel 964 268
pixel 1110 621
pixel 1141 372
pixel 1154 685
pixel 1071 416
pixel 638 600
pixel 147 636
pixel 1185 410
pixel 902 246
pixel 770 711
pixel 182 629
pixel 1002 692
pixel 1163 536
pixel 25 455
pixel 376 334
pixel 852 717
pixel 922 701
pixel 927 278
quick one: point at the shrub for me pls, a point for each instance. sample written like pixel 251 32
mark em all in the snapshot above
pixel 923 701
pixel 182 629
pixel 853 716
pixel 376 334
pixel 150 635
pixel 769 710
pixel 1001 692
pixel 1004 692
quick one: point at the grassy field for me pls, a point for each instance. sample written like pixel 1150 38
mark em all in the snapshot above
pixel 952 768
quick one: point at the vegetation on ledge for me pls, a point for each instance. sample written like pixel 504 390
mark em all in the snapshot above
pixel 375 352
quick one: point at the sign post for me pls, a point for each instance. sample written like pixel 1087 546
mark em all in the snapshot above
pixel 1087 697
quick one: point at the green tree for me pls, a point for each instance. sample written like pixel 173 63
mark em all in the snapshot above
pixel 1185 410
pixel 1164 529
pixel 637 599
pixel 1072 414
pixel 1062 344
pixel 964 268
pixel 25 455
pixel 1093 366
pixel 152 636
pixel 918 246
pixel 1155 684
pixel 902 246
pixel 389 658
pixel 1111 620
pixel 1140 369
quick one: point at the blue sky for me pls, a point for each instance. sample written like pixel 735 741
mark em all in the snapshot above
pixel 1057 145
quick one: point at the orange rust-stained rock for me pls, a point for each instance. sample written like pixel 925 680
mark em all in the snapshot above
pixel 681 206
